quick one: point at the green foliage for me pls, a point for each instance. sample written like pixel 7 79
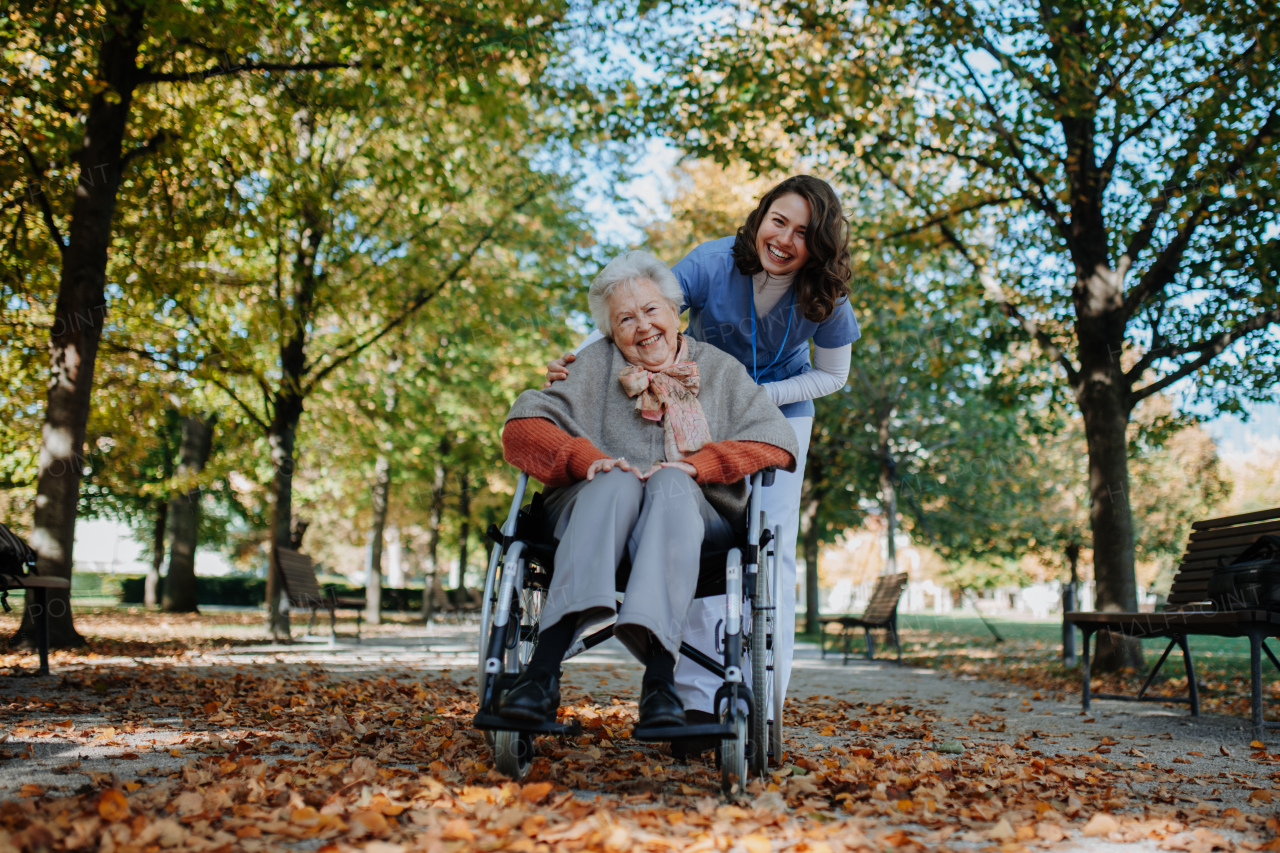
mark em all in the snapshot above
pixel 921 390
pixel 1016 135
pixel 413 162
pixel 226 591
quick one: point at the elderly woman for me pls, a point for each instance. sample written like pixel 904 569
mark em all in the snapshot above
pixel 644 448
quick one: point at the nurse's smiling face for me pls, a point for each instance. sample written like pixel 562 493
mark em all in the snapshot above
pixel 780 237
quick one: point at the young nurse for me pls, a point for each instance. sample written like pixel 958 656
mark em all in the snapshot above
pixel 763 296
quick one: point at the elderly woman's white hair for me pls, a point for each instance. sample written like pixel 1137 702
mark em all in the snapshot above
pixel 626 270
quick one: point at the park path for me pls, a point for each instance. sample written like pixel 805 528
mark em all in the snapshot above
pixel 1207 763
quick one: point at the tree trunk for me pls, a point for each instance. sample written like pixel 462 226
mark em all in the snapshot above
pixel 287 411
pixel 180 584
pixel 464 510
pixel 152 581
pixel 1106 420
pixel 889 499
pixel 281 441
pixel 1102 392
pixel 380 495
pixel 433 534
pixel 78 319
pixel 811 548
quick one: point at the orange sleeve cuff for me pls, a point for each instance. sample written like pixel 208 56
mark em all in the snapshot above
pixel 730 461
pixel 549 454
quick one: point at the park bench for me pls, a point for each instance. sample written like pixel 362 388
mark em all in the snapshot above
pixel 455 603
pixel 881 614
pixel 17 563
pixel 465 600
pixel 1189 612
pixel 303 589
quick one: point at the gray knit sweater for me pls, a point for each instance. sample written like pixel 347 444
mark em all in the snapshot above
pixel 591 404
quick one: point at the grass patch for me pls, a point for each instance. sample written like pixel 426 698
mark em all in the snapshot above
pixel 1030 653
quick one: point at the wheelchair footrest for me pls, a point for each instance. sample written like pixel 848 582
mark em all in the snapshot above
pixel 492 722
pixel 711 730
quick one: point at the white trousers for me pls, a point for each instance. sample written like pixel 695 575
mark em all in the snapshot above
pixel 705 628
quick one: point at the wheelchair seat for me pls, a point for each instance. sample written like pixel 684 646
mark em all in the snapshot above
pixel 534 530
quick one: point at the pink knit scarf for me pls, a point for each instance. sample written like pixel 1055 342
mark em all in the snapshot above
pixel 672 392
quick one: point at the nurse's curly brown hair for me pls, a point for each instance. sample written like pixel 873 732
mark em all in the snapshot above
pixel 824 279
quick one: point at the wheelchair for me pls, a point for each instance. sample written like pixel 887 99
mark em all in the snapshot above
pixel 519 575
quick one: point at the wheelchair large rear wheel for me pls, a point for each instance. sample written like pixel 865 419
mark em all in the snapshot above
pixel 760 676
pixel 766 737
pixel 775 683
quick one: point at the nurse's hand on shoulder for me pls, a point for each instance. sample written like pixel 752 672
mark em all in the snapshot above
pixel 558 369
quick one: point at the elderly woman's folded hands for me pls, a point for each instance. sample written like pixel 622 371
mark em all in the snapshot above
pixel 604 465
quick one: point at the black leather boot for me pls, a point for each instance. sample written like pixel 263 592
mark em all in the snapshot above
pixel 534 698
pixel 659 704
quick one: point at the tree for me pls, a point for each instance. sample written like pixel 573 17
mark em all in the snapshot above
pixel 1108 171
pixel 452 382
pixel 85 96
pixel 363 205
pixel 184 512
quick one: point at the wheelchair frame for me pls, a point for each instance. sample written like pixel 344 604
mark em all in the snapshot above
pixel 516 584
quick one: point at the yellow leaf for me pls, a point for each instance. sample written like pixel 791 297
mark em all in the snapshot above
pixel 756 843
pixel 112 805
pixel 1101 824
pixel 535 791
pixel 305 816
pixel 1261 796
pixel 456 830
pixel 30 790
pixel 1002 831
pixel 368 822
pixel 382 803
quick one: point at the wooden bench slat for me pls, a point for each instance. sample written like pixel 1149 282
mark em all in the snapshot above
pixel 1230 532
pixel 1215 555
pixel 1238 543
pixel 33 582
pixel 1260 515
pixel 1200 563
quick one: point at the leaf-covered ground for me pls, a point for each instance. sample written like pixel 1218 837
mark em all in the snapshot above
pixel 187 752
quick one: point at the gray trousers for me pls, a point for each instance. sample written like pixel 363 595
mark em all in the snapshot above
pixel 663 522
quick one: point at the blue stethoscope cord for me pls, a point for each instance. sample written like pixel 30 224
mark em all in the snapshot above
pixel 755 374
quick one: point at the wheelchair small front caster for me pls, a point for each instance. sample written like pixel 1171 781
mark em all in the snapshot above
pixel 513 753
pixel 733 757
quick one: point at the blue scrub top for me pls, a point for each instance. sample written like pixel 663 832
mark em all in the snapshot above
pixel 720 309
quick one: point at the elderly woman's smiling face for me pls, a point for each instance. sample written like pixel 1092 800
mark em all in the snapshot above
pixel 644 325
